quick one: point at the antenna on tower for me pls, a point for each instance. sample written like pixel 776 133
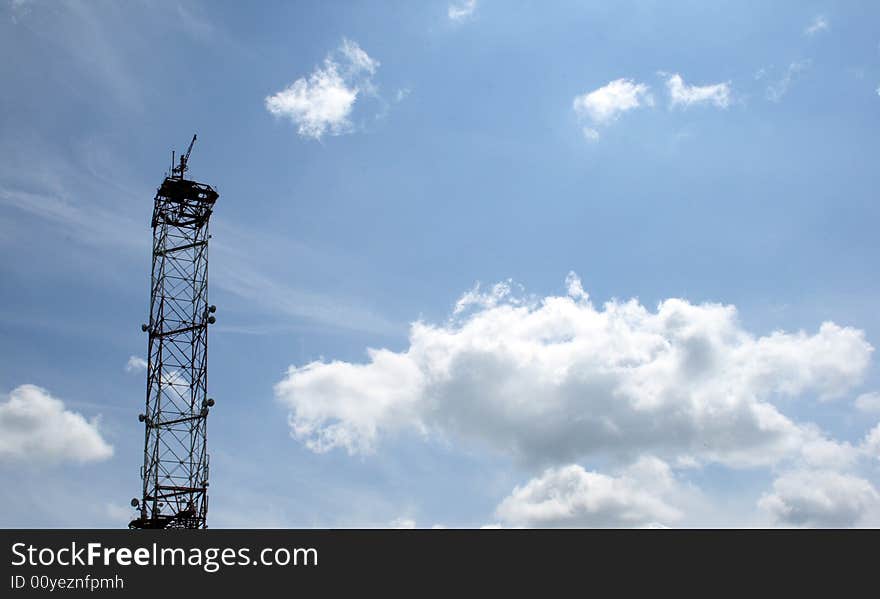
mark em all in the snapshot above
pixel 180 169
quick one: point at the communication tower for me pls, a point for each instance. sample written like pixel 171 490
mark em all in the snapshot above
pixel 175 469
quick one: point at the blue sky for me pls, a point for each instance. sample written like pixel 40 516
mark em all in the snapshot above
pixel 376 161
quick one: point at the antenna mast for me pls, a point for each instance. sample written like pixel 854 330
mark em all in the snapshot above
pixel 179 170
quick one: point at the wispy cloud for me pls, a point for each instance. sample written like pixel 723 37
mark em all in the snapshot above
pixel 18 9
pixel 590 134
pixel 195 24
pixel 91 225
pixel 461 11
pixel 278 298
pixel 63 199
pixel 778 88
pixel 681 94
pixel 359 61
pixel 818 25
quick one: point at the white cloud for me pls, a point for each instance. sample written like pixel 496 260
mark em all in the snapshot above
pixel 820 498
pixel 572 497
pixel 135 364
pixel 323 103
pixel 552 380
pixel 35 427
pixel 868 402
pixel 778 88
pixel 607 103
pixel 684 95
pixel 462 10
pixel 818 25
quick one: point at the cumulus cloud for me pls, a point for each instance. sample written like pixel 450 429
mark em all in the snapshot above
pixel 323 102
pixel 819 24
pixel 551 380
pixel 35 427
pixel 572 497
pixel 607 103
pixel 461 11
pixel 684 95
pixel 135 364
pixel 779 87
pixel 820 498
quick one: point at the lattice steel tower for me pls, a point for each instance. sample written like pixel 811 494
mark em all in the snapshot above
pixel 175 470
